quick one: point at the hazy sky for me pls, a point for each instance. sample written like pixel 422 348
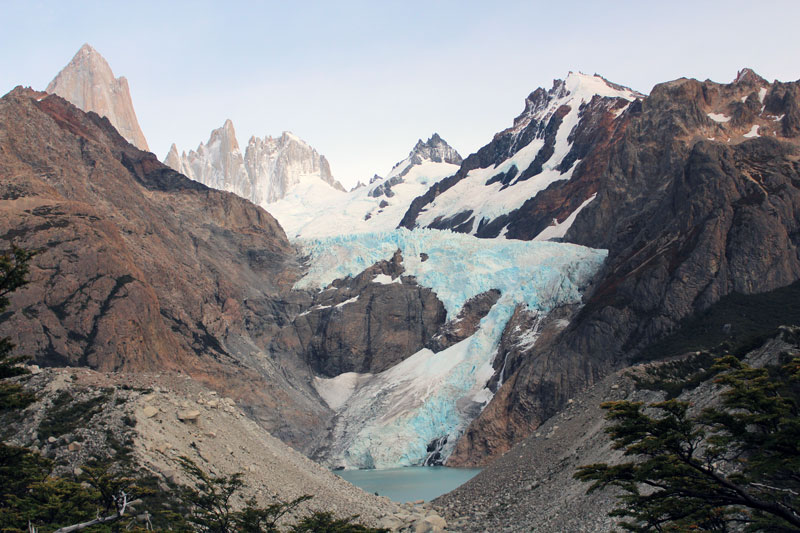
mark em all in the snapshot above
pixel 362 81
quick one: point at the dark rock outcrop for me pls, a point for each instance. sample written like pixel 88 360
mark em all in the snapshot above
pixel 466 323
pixel 360 325
pixel 385 188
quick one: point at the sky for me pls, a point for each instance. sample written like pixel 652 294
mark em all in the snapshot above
pixel 362 81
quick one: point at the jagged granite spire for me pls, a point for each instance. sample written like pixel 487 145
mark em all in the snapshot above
pixel 88 83
pixel 266 171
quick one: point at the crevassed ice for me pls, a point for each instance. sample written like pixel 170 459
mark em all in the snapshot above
pixel 388 419
pixel 459 266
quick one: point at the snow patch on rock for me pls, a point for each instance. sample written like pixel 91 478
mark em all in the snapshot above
pixel 753 133
pixel 558 229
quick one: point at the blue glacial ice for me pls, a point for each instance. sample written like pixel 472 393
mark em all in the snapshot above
pixel 389 418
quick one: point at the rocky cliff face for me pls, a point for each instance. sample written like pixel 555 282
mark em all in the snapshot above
pixel 369 323
pixel 138 268
pixel 87 82
pixel 697 196
pixel 269 168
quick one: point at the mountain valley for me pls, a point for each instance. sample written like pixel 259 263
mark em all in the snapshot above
pixel 469 311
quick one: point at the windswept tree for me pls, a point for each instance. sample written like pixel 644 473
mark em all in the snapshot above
pixel 734 464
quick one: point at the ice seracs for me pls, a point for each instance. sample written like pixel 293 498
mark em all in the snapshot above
pixel 390 419
pixel 88 83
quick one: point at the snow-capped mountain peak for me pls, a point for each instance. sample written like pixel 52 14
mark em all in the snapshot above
pixel 575 88
pixel 545 145
pixel 435 150
pixel 310 211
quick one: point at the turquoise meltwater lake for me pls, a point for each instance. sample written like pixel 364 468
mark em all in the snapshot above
pixel 410 483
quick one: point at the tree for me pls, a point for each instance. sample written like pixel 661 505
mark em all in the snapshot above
pixel 737 463
pixel 212 509
pixel 212 504
pixel 13 272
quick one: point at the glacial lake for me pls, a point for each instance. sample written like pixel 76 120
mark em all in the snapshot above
pixel 410 483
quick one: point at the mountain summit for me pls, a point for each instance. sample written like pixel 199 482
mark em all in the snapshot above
pixel 88 83
pixel 269 168
pixel 435 150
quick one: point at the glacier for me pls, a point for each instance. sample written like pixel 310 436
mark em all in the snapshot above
pixel 388 419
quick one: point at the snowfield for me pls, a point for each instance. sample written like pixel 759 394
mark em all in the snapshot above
pixel 313 209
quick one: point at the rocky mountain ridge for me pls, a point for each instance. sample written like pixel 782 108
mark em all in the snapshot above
pixel 542 151
pixel 312 210
pixel 141 269
pixel 88 82
pixel 434 150
pixel 697 195
pixel 268 170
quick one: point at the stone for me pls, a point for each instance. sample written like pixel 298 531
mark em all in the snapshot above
pixel 466 323
pixel 51 439
pixel 392 523
pixel 74 446
pixel 379 326
pixel 430 524
pixel 191 415
pixel 149 411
